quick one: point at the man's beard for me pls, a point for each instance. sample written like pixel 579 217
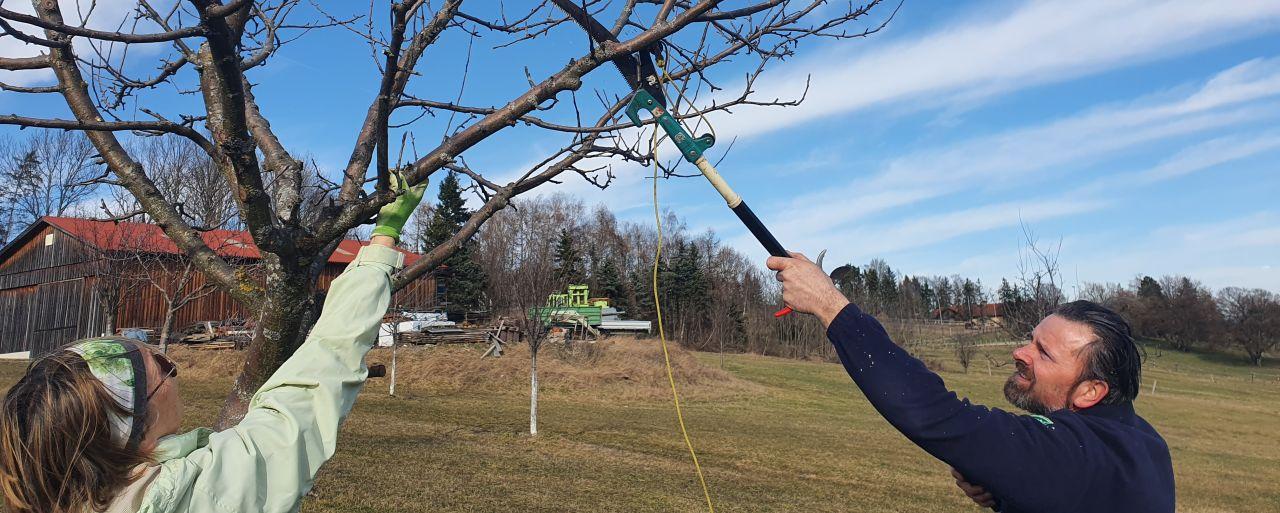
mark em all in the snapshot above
pixel 1024 397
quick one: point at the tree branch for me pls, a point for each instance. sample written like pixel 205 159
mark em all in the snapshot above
pixel 24 89
pixel 287 169
pixel 118 37
pixel 222 84
pixel 20 63
pixel 130 172
pixel 568 78
pixel 395 76
pixel 29 39
pixel 106 126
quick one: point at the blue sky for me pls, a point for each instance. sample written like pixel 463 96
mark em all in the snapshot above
pixel 1142 136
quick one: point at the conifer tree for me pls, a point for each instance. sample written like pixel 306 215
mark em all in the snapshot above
pixel 568 260
pixel 641 291
pixel 1149 288
pixel 609 282
pixel 463 279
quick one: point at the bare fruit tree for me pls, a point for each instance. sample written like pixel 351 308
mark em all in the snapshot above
pixel 221 49
pixel 114 279
pixel 1253 320
pixel 174 280
pixel 1038 290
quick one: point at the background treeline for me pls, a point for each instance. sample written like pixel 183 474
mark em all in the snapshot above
pixel 715 298
pixel 712 296
pixel 1187 315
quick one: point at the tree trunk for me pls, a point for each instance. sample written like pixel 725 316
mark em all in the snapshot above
pixel 108 319
pixel 395 343
pixel 533 393
pixel 166 328
pixel 284 321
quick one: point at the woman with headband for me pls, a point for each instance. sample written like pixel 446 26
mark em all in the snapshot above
pixel 94 426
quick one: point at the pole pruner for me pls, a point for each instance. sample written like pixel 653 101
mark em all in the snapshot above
pixel 647 95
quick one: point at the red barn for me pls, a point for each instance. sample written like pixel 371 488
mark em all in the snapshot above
pixel 51 277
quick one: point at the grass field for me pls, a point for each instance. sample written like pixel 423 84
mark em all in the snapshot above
pixel 772 435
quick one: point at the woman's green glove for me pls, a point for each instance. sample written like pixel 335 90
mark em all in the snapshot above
pixel 393 216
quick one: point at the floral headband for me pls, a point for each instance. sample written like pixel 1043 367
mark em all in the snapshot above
pixel 118 364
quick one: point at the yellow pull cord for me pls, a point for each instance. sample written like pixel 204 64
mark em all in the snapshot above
pixel 666 356
pixel 663 79
pixel 662 336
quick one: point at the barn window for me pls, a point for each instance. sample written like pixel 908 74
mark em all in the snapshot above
pixel 48 239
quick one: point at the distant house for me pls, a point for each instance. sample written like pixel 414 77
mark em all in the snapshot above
pixel 992 311
pixel 49 276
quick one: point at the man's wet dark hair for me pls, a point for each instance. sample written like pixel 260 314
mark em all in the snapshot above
pixel 1113 357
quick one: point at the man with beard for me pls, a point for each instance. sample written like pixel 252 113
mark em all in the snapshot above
pixel 1081 448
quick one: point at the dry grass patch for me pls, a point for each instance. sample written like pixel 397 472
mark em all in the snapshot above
pixel 615 368
pixel 794 436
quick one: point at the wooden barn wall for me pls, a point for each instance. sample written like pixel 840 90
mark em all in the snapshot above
pixel 15 307
pixel 33 262
pixel 145 304
pixel 46 296
pixel 418 295
pixel 145 307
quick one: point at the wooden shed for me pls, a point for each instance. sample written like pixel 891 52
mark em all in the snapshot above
pixel 52 274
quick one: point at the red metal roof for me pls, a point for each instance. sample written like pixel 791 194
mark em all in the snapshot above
pixel 132 236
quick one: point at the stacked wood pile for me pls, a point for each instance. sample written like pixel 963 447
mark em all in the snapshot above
pixel 221 344
pixel 445 336
pixel 457 335
pixel 228 334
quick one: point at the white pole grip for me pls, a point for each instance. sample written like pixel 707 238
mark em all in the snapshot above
pixel 718 182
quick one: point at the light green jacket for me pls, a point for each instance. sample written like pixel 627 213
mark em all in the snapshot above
pixel 269 460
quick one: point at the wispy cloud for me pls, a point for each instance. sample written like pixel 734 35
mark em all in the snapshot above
pixel 1241 251
pixel 101 14
pixel 939 228
pixel 1037 43
pixel 1258 230
pixel 1192 159
pixel 1238 95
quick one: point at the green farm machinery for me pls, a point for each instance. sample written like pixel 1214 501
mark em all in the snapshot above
pixel 576 310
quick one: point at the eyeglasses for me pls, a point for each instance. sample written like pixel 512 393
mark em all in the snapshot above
pixel 167 368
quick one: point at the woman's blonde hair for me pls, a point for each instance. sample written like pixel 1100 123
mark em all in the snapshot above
pixel 57 451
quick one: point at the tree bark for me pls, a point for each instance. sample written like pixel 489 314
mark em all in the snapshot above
pixel 285 319
pixel 166 327
pixel 108 319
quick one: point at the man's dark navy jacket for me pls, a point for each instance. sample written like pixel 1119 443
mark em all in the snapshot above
pixel 1101 459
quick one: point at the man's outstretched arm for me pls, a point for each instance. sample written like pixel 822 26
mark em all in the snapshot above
pixel 1019 459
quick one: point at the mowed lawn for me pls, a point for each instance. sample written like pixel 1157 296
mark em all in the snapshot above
pixel 795 436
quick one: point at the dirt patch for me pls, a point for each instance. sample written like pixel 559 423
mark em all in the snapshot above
pixel 617 368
